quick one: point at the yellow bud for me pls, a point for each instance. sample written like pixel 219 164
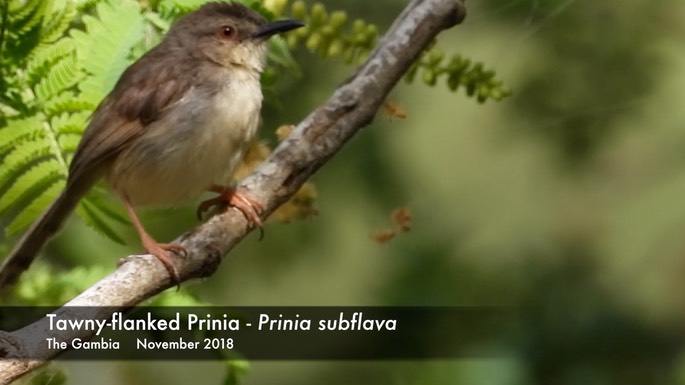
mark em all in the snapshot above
pixel 435 57
pixel 327 31
pixel 358 26
pixel 283 131
pixel 319 15
pixel 275 6
pixel 455 64
pixel 496 94
pixel 314 41
pixel 453 82
pixel 470 89
pixel 299 10
pixel 371 32
pixel 335 48
pixel 338 19
pixel 300 32
pixel 429 77
pixel 362 56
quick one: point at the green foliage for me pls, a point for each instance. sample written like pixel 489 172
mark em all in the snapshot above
pixel 235 371
pixel 50 375
pixel 458 72
pixel 45 288
pixel 51 84
pixel 175 8
pixel 328 35
pixel 104 47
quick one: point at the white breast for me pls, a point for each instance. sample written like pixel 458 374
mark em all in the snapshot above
pixel 197 145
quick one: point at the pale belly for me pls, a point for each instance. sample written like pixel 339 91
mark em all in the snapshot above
pixel 189 150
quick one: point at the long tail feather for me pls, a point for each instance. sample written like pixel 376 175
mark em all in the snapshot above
pixel 34 239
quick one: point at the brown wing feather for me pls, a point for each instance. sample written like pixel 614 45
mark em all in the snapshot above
pixel 141 96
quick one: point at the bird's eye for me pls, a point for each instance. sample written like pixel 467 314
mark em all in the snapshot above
pixel 227 32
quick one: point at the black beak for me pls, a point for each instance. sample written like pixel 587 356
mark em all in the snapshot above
pixel 277 27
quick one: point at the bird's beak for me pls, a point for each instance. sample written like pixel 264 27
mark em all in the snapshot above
pixel 277 27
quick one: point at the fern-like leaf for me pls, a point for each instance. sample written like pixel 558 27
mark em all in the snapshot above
pixel 69 103
pixel 104 51
pixel 57 26
pixel 67 123
pixel 44 57
pixel 29 214
pixel 23 13
pixel 17 130
pixel 62 76
pixel 25 23
pixel 31 184
pixel 56 85
pixel 90 212
pixel 68 128
pixel 112 208
pixel 20 158
pixel 175 8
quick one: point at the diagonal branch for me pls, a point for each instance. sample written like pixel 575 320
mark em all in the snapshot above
pixel 313 142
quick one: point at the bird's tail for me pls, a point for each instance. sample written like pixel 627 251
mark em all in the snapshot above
pixel 41 231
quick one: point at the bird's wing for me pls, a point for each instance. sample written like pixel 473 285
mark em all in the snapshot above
pixel 141 96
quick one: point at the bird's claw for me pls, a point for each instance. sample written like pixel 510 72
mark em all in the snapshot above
pixel 250 207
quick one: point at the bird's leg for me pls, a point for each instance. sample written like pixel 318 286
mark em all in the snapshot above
pixel 249 206
pixel 159 250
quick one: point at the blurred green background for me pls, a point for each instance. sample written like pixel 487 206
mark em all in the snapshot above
pixel 568 196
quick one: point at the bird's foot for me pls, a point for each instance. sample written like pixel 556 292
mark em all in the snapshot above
pixel 250 207
pixel 162 251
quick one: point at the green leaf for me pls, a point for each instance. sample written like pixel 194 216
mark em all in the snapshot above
pixel 67 102
pixel 178 7
pixel 44 57
pixel 20 158
pixel 62 76
pixel 55 28
pixel 51 375
pixel 104 49
pixel 19 129
pixel 29 214
pixel 32 183
pixel 68 142
pixel 23 32
pixel 236 371
pixel 66 123
pixel 279 53
pixel 94 218
pixel 101 198
pixel 26 15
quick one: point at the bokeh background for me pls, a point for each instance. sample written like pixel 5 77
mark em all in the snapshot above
pixel 568 196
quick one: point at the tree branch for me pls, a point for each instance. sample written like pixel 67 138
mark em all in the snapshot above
pixel 311 144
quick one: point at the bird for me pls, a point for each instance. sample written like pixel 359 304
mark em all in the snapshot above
pixel 176 124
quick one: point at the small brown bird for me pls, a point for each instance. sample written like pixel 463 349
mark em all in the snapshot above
pixel 176 124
